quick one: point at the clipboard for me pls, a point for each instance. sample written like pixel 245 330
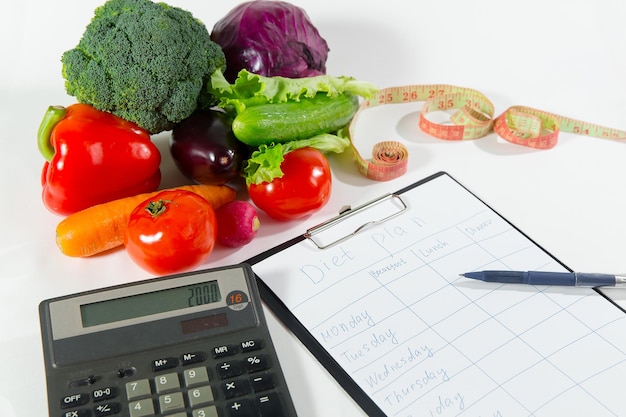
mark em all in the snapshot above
pixel 401 207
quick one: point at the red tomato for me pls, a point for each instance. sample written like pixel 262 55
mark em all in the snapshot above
pixel 303 189
pixel 172 232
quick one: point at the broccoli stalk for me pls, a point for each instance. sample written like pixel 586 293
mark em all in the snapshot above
pixel 145 62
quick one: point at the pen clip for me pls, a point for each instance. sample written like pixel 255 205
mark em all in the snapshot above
pixel 348 212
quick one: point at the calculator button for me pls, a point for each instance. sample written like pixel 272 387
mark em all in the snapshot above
pixel 191 358
pixel 205 412
pixel 269 406
pixel 234 388
pixel 200 395
pixel 141 408
pixel 229 369
pixel 241 408
pixel 177 415
pixel 104 394
pixel 74 400
pixel 257 363
pixel 77 413
pixel 224 350
pixel 251 345
pixel 106 409
pixel 136 389
pixel 262 382
pixel 195 376
pixel 164 363
pixel 166 382
pixel 171 402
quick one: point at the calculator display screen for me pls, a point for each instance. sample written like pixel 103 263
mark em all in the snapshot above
pixel 146 304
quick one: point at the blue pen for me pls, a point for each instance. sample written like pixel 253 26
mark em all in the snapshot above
pixel 576 279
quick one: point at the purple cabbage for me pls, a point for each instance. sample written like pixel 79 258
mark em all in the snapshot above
pixel 270 38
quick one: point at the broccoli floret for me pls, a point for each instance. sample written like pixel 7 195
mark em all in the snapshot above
pixel 143 61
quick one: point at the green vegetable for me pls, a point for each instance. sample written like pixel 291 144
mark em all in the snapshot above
pixel 146 62
pixel 293 120
pixel 280 109
pixel 252 90
pixel 264 163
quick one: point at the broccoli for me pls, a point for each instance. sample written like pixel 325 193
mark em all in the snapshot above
pixel 145 62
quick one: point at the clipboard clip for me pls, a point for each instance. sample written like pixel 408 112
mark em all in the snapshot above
pixel 347 212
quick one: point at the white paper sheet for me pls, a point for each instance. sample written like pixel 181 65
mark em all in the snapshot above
pixel 389 306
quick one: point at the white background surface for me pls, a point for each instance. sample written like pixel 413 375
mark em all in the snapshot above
pixel 565 57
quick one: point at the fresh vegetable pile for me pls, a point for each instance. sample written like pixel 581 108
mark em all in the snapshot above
pixel 249 102
pixel 102 227
pixel 292 121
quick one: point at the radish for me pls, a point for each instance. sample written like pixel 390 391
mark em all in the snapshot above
pixel 237 223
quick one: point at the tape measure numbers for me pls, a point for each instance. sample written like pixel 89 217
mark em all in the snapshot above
pixel 473 119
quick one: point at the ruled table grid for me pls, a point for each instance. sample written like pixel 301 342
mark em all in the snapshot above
pixel 485 335
pixel 390 308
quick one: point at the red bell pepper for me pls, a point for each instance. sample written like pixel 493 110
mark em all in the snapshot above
pixel 93 157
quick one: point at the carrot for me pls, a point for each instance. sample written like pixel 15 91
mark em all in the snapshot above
pixel 102 227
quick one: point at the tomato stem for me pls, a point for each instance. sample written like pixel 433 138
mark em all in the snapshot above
pixel 158 207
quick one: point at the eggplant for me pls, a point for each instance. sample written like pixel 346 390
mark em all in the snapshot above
pixel 205 150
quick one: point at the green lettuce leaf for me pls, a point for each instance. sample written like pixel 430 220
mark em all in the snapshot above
pixel 264 163
pixel 252 89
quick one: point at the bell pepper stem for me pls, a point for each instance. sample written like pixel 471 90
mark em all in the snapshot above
pixel 51 118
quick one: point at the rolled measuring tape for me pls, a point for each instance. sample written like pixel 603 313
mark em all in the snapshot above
pixel 473 119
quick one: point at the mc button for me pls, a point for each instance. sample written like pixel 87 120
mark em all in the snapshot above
pixel 251 345
pixel 74 400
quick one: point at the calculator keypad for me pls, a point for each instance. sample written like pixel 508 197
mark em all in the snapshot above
pixel 227 381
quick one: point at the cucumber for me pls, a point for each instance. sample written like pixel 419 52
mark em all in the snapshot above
pixel 293 120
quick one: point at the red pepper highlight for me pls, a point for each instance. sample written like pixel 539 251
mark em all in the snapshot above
pixel 93 157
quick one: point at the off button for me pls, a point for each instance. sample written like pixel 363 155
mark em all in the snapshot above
pixel 74 400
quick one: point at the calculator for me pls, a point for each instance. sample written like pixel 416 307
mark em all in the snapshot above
pixel 187 345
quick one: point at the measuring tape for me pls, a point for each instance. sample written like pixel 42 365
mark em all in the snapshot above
pixel 473 119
